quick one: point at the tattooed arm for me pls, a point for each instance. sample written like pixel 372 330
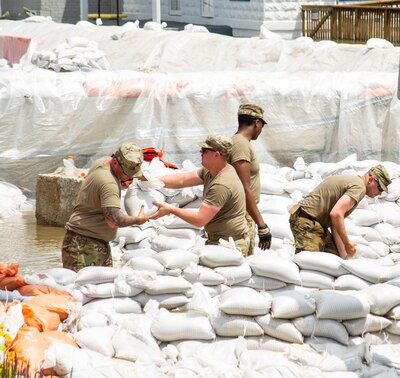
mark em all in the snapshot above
pixel 115 218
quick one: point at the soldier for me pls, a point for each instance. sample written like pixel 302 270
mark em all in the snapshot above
pixel 222 212
pixel 243 159
pixel 327 206
pixel 97 215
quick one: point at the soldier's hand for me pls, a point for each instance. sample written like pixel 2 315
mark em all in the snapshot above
pixel 264 236
pixel 350 248
pixel 142 217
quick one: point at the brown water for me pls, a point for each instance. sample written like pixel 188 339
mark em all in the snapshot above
pixel 32 246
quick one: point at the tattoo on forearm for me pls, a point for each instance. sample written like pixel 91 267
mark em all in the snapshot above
pixel 114 215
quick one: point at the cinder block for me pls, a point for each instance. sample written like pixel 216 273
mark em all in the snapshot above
pixel 55 198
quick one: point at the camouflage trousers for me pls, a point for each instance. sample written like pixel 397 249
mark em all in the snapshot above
pixel 242 242
pixel 310 235
pixel 252 233
pixel 79 251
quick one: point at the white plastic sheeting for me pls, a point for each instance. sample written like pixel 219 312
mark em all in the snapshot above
pixel 170 89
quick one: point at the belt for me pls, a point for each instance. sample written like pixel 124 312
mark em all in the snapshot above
pixel 302 214
pixel 234 237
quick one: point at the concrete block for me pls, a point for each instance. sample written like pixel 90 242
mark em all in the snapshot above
pixel 55 198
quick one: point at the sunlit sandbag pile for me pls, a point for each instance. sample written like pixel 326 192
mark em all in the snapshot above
pixel 74 54
pixel 172 306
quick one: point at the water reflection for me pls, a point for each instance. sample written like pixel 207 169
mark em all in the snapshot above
pixel 32 246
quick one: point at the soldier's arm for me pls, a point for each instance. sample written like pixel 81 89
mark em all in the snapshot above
pixel 343 205
pixel 115 218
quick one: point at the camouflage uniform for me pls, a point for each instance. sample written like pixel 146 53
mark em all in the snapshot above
pixel 252 232
pixel 309 235
pixel 79 251
pixel 242 242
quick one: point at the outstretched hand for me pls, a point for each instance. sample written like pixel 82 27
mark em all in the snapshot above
pixel 142 217
pixel 163 209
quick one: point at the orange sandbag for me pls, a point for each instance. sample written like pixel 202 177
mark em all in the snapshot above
pixel 57 303
pixel 9 270
pixel 59 337
pixel 29 346
pixel 11 282
pixel 40 318
pixel 29 290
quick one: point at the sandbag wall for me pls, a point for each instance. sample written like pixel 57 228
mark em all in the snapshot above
pixel 172 305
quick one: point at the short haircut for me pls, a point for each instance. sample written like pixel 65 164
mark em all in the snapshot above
pixel 246 120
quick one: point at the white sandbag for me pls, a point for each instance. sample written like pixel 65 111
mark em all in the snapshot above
pixel 364 217
pixel 216 255
pixel 62 276
pixel 173 221
pixel 137 252
pixel 312 278
pixel 135 234
pixel 340 305
pixel 311 326
pixel 320 261
pixel 167 301
pixel 271 204
pixel 64 358
pixel 162 243
pixel 280 329
pixel 110 290
pixel 393 191
pixel 394 313
pixel 262 283
pixel 110 305
pixel 394 327
pixel 182 198
pixel 364 251
pixel 167 285
pixel 90 319
pixel 275 267
pixel 386 354
pixel 177 258
pixel 279 226
pixel 234 274
pixel 350 282
pixel 213 291
pixel 97 339
pixel 101 274
pixel 388 211
pixel 389 234
pixel 382 297
pixel 207 276
pixel 132 347
pixel 145 263
pixel 167 326
pixel 305 186
pixel 370 323
pixel 135 198
pixel 272 184
pixel 234 326
pixel 289 304
pixel 182 233
pixel 244 301
pixel 371 270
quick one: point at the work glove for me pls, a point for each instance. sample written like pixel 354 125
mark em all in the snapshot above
pixel 264 236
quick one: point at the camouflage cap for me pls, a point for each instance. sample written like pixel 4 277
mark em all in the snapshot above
pixel 131 157
pixel 382 175
pixel 252 110
pixel 219 143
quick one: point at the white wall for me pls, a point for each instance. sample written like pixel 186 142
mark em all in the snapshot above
pixel 245 17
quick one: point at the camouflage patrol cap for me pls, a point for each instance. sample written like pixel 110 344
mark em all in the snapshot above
pixel 382 175
pixel 219 143
pixel 131 157
pixel 252 110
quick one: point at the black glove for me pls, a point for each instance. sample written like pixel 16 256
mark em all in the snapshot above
pixel 264 236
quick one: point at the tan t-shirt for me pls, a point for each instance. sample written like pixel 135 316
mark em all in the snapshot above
pixel 225 190
pixel 100 189
pixel 242 150
pixel 323 198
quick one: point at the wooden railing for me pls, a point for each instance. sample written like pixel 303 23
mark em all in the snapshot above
pixel 352 23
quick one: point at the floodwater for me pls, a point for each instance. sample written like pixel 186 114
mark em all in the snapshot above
pixel 32 246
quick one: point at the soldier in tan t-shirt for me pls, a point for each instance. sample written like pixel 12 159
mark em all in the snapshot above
pixel 222 213
pixel 243 159
pixel 327 206
pixel 97 215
